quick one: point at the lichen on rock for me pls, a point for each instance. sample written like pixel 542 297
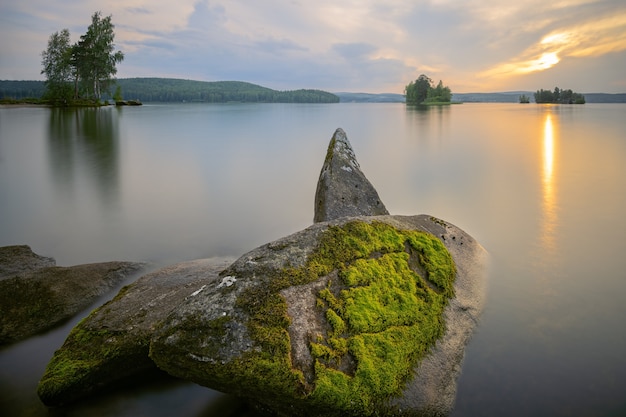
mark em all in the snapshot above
pixel 342 188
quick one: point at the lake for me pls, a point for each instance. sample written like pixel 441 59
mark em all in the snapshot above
pixel 541 187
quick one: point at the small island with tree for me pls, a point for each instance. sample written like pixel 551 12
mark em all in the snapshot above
pixel 421 91
pixel 79 74
pixel 559 96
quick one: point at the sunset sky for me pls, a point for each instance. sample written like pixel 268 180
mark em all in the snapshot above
pixel 341 45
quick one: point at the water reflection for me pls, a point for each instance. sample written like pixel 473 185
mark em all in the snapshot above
pixel 549 198
pixel 83 146
pixel 427 122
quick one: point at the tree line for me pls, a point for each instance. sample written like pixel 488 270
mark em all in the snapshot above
pixel 559 96
pixel 421 91
pixel 84 69
pixel 178 90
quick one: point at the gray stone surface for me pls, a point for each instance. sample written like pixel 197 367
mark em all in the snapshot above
pixel 35 295
pixel 20 259
pixel 186 346
pixel 112 343
pixel 342 188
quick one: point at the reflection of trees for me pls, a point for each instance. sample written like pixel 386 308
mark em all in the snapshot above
pixel 422 120
pixel 83 146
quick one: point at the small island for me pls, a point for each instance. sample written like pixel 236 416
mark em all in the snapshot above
pixel 78 74
pixel 421 91
pixel 558 96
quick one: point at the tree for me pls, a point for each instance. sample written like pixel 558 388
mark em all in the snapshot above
pixel 422 91
pixel 439 94
pixel 559 96
pixel 90 63
pixel 95 60
pixel 524 99
pixel 57 66
pixel 417 92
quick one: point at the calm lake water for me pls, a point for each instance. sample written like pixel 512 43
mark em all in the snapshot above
pixel 541 187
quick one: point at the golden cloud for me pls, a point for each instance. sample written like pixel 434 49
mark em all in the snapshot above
pixel 591 38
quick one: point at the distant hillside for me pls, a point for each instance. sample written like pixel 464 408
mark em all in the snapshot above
pixel 370 98
pixel 513 97
pixel 176 90
pixel 21 89
pixel 605 98
pixel 502 97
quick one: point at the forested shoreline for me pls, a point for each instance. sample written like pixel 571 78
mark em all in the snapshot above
pixel 179 90
pixel 149 91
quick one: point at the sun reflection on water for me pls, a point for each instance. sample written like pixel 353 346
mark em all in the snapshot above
pixel 549 201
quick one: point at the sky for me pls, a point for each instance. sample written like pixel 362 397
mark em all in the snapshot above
pixel 341 45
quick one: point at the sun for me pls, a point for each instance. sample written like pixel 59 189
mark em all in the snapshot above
pixel 545 61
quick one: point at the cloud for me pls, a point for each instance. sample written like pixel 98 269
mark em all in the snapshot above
pixel 365 45
pixel 590 37
pixel 352 51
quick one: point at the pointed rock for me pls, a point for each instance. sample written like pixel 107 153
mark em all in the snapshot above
pixel 342 188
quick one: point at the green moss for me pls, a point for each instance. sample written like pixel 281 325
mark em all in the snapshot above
pixel 383 318
pixel 384 315
pixel 90 358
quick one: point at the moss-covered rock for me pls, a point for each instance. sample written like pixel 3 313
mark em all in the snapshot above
pixel 36 295
pixel 112 343
pixel 331 320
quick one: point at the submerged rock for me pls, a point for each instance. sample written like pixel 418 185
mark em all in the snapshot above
pixel 35 295
pixel 342 188
pixel 112 343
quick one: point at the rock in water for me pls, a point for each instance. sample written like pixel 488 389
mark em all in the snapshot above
pixel 342 318
pixel 20 259
pixel 36 295
pixel 342 188
pixel 112 343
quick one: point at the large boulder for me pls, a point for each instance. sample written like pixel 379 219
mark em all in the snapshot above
pixel 36 295
pixel 112 343
pixel 342 318
pixel 342 188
